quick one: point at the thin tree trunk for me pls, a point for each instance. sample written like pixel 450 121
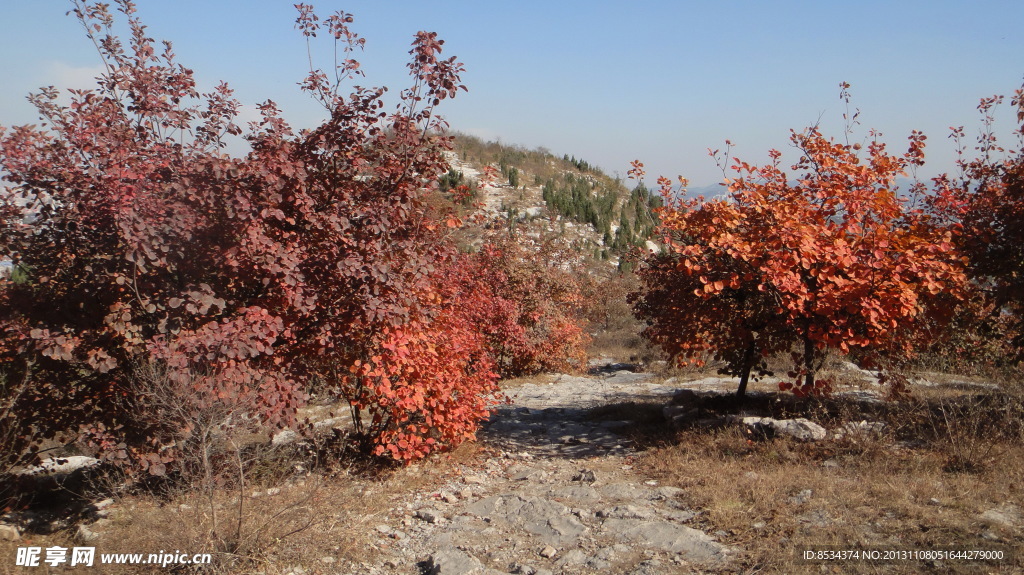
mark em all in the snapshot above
pixel 744 377
pixel 748 364
pixel 809 363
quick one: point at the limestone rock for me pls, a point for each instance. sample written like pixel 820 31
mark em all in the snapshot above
pixel 800 428
pixel 694 544
pixel 857 430
pixel 430 515
pixel 1007 515
pixel 62 465
pixel 455 562
pixel 9 533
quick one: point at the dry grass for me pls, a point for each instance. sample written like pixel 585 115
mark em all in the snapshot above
pixel 322 522
pixel 923 484
pixel 945 458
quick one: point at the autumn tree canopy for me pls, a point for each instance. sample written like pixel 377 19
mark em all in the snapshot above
pixel 832 257
pixel 149 250
pixel 986 198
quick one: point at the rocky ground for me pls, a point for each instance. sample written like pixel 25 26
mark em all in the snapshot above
pixel 558 494
pixel 556 486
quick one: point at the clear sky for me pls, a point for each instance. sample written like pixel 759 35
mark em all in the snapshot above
pixel 609 82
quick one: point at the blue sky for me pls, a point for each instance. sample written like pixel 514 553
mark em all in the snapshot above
pixel 605 81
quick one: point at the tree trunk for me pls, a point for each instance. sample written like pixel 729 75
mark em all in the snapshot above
pixel 748 364
pixel 744 377
pixel 809 350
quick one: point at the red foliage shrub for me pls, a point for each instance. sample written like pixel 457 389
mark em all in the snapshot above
pixel 313 257
pixel 532 313
pixel 986 199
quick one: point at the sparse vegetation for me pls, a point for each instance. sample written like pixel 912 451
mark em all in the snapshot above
pixel 924 482
pixel 574 190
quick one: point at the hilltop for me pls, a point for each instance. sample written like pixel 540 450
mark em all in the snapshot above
pixel 551 198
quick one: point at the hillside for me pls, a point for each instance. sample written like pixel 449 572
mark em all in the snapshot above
pixel 563 198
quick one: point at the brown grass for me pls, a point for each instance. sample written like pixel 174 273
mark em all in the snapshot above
pixel 323 522
pixel 923 484
pixel 947 456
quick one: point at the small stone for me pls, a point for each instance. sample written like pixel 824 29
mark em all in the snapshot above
pixel 548 552
pixel 474 479
pixel 449 498
pixel 573 557
pixel 328 560
pixel 759 525
pixel 383 529
pixel 524 473
pixel 585 476
pixel 802 497
pixel 9 533
pixel 934 501
pixel 284 438
pixel 465 493
pixel 430 516
pixel 86 535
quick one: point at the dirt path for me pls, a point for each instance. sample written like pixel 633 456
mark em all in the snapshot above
pixel 558 495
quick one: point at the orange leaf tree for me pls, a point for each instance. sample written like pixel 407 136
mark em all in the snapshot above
pixel 833 259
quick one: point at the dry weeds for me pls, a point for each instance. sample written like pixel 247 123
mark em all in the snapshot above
pixel 323 522
pixel 944 459
pixel 921 485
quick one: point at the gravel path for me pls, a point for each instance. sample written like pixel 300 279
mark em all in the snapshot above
pixel 559 495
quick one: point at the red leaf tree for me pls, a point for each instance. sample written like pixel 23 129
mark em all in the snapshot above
pixel 532 321
pixel 986 198
pixel 831 259
pixel 241 279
